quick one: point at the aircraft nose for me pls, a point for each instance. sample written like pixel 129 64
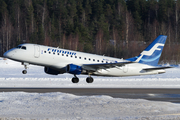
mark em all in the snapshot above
pixel 7 54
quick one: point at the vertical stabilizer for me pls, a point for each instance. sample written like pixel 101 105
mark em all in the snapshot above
pixel 152 53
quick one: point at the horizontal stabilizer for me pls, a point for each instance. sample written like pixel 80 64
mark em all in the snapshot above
pixel 157 68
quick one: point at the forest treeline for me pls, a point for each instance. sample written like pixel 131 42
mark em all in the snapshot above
pixel 119 28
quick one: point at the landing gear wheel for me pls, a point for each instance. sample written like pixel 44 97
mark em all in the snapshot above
pixel 75 80
pixel 24 71
pixel 89 80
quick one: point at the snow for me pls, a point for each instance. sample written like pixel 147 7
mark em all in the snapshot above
pixel 67 106
pixel 56 105
pixel 11 76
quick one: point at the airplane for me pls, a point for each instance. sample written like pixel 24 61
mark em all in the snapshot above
pixel 58 61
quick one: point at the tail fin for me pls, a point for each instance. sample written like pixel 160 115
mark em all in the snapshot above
pixel 152 53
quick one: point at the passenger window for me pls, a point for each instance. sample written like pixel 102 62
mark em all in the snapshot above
pixel 58 53
pixel 75 56
pixel 97 60
pixel 44 51
pixel 49 52
pixel 84 58
pixel 62 54
pixel 66 55
pixel 79 57
pixel 54 53
pixel 89 59
pixel 93 59
pixel 71 56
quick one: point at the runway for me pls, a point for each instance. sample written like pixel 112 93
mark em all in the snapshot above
pixel 170 95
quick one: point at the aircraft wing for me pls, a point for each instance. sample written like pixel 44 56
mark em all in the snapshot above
pixel 95 67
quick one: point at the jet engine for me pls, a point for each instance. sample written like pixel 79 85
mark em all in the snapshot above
pixel 51 71
pixel 74 69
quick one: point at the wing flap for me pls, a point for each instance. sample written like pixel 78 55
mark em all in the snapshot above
pixel 95 67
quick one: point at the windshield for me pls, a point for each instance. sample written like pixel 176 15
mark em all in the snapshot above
pixel 18 47
pixel 21 47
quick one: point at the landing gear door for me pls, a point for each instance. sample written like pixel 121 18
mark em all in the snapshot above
pixel 36 51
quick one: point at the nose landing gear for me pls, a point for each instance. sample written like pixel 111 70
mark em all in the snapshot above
pixel 26 65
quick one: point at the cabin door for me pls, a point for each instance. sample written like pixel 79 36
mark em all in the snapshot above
pixel 36 51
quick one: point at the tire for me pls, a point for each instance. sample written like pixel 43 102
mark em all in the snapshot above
pixel 24 71
pixel 75 80
pixel 89 80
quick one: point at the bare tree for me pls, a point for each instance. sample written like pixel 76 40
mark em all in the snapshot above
pixel 99 41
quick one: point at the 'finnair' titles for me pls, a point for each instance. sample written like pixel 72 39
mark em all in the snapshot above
pixel 61 51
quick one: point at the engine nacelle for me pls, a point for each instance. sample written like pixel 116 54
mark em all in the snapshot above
pixel 74 69
pixel 51 71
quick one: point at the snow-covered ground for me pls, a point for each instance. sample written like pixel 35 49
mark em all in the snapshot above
pixel 21 105
pixel 49 106
pixel 11 76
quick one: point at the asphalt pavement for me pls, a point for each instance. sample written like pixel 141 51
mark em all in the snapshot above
pixel 170 95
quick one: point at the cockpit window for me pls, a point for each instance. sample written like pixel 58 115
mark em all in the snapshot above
pixel 23 47
pixel 18 47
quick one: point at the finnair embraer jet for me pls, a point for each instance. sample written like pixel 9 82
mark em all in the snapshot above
pixel 58 61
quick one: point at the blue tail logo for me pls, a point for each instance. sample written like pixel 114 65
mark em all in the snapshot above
pixel 152 53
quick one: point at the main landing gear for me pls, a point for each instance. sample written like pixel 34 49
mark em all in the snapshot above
pixel 75 79
pixel 26 65
pixel 89 79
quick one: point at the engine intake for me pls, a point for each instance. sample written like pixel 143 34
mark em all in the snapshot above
pixel 51 71
pixel 74 69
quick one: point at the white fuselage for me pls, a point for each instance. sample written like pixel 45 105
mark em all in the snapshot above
pixel 58 58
